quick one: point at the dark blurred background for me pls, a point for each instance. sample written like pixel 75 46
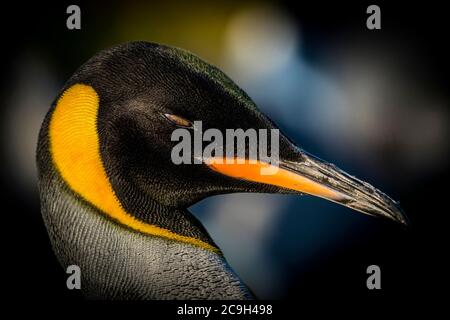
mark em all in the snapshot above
pixel 375 103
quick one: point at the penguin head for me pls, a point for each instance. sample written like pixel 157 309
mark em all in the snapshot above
pixel 153 98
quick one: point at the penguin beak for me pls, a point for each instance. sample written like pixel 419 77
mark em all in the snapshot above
pixel 310 175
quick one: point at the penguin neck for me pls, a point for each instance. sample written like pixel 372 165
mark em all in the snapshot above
pixel 180 222
pixel 119 263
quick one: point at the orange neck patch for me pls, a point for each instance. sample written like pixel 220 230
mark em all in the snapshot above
pixel 75 150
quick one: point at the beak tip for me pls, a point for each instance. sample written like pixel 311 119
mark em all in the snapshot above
pixel 400 217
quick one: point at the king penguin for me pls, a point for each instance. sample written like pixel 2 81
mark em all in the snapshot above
pixel 115 204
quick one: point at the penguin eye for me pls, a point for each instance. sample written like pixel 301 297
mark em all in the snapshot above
pixel 177 120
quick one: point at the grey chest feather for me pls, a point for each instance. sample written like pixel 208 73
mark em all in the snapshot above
pixel 118 263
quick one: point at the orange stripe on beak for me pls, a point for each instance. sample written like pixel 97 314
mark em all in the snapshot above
pixel 280 177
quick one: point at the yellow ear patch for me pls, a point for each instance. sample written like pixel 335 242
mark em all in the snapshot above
pixel 75 150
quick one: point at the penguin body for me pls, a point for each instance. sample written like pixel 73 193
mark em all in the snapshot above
pixel 119 263
pixel 115 204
